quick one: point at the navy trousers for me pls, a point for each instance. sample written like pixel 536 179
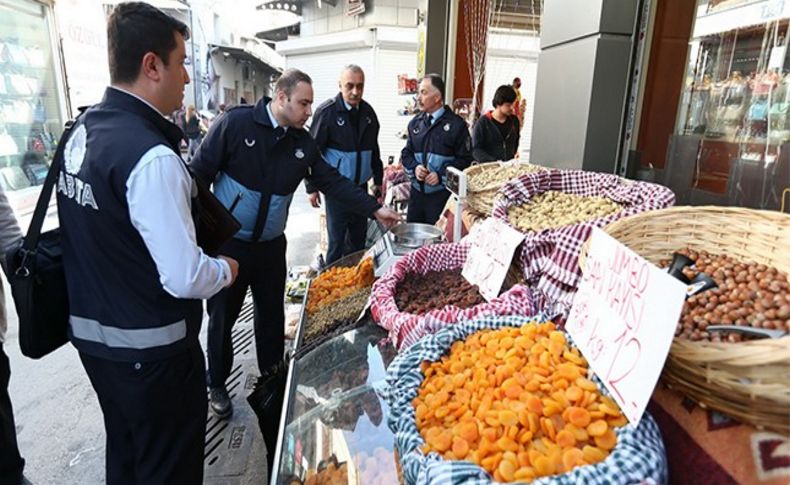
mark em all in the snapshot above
pixel 426 208
pixel 262 267
pixel 155 417
pixel 346 229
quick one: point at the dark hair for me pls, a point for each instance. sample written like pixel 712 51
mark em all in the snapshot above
pixel 135 29
pixel 437 82
pixel 504 94
pixel 289 79
pixel 516 80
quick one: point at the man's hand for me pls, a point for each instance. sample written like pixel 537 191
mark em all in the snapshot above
pixel 421 172
pixel 234 268
pixel 315 199
pixel 387 217
pixel 432 179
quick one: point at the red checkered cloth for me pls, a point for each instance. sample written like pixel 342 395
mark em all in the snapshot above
pixel 550 258
pixel 406 328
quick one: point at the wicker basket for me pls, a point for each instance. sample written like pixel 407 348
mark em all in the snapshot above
pixel 480 198
pixel 749 381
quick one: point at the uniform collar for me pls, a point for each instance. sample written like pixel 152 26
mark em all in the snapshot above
pixel 125 101
pixel 438 114
pixel 262 113
pixel 342 106
pixel 138 97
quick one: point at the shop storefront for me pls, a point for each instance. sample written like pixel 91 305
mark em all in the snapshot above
pixel 32 100
pixel 730 141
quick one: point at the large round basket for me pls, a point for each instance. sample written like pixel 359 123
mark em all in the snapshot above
pixel 481 194
pixel 749 381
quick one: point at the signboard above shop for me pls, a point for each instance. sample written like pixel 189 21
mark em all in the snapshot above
pixel 725 20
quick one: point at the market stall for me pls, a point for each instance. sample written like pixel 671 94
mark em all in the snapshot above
pixel 435 383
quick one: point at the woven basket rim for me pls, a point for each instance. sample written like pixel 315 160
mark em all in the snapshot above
pixel 698 211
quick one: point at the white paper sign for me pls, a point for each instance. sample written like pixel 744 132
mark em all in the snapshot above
pixel 493 245
pixel 623 320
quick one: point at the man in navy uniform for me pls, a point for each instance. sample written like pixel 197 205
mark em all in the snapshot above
pixel 347 130
pixel 134 272
pixel 438 138
pixel 258 155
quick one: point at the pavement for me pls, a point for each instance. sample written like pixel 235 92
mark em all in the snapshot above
pixel 59 422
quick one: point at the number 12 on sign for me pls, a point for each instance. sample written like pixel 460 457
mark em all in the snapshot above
pixel 625 348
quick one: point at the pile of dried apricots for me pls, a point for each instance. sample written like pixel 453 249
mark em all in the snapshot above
pixel 515 401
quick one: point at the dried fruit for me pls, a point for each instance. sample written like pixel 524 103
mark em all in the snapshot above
pixel 338 282
pixel 523 409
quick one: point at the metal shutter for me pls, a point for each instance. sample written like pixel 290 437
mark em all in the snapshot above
pixel 386 101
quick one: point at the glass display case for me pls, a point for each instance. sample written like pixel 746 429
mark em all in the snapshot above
pixel 733 126
pixel 32 99
pixel 334 419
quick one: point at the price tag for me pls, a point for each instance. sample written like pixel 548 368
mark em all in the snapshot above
pixel 623 320
pixel 493 245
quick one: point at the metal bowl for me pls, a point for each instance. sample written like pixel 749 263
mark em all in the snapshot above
pixel 416 235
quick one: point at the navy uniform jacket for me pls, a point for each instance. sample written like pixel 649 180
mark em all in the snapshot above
pixel 119 309
pixel 354 153
pixel 243 153
pixel 445 143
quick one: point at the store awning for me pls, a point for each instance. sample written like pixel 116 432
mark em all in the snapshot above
pixel 243 55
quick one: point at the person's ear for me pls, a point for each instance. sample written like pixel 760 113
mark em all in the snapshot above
pixel 152 66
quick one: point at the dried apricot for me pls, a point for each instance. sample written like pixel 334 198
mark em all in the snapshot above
pixel 460 448
pixel 507 469
pixel 597 428
pixel 574 393
pixel 607 441
pixel 572 457
pixel 579 416
pixel 593 454
pixel 508 418
pixel 517 402
pixel 566 439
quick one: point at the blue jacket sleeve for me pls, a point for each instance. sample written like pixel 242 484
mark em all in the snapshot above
pixel 463 150
pixel 328 180
pixel 212 152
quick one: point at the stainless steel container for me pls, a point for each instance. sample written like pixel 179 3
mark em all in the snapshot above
pixel 415 235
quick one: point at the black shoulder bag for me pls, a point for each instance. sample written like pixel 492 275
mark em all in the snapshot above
pixel 35 272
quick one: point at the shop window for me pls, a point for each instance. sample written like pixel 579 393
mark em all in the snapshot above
pixel 732 139
pixel 31 116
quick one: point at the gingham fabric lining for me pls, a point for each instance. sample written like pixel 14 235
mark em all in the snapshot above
pixel 639 456
pixel 405 328
pixel 550 258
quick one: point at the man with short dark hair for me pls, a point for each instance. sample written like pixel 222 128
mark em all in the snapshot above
pixel 496 134
pixel 438 138
pixel 347 129
pixel 134 272
pixel 258 155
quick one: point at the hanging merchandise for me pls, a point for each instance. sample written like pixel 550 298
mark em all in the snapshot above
pixel 477 18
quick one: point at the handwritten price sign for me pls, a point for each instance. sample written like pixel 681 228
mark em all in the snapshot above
pixel 623 320
pixel 493 245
